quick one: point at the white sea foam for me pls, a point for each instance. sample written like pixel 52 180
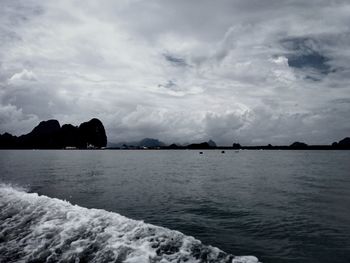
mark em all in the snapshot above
pixel 37 228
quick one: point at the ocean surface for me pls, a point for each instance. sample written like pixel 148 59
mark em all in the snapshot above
pixel 174 206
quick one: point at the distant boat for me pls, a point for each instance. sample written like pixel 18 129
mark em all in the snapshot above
pixel 222 151
pixel 200 152
pixel 90 146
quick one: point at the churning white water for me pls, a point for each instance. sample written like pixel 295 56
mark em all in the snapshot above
pixel 37 228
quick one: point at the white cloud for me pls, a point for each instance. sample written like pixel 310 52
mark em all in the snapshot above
pixel 24 75
pixel 178 70
pixel 13 120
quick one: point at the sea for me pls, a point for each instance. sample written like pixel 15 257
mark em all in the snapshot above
pixel 175 206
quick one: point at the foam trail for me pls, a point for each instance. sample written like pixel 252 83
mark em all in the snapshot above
pixel 37 228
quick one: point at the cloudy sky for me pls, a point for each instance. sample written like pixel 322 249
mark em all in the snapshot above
pixel 254 72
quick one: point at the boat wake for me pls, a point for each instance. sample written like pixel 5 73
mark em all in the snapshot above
pixel 37 228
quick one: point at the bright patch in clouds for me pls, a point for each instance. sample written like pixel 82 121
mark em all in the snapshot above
pixel 180 71
pixel 24 75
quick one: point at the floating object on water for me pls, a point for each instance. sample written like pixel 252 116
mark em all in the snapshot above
pixel 222 151
pixel 200 152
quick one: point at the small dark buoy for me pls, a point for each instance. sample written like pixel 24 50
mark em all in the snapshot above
pixel 222 151
pixel 200 152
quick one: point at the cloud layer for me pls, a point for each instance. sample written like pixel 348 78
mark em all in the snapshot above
pixel 248 71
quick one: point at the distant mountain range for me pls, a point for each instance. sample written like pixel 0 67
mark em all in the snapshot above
pixel 146 142
pixel 155 143
pixel 50 135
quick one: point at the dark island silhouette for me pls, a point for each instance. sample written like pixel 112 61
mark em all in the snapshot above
pixel 91 135
pixel 50 135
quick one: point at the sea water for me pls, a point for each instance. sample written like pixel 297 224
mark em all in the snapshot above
pixel 174 206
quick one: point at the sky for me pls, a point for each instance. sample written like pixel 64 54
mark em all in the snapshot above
pixel 247 71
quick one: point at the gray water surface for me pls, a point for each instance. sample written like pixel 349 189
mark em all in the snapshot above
pixel 280 206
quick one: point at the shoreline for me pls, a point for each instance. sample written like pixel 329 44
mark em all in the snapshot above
pixel 251 148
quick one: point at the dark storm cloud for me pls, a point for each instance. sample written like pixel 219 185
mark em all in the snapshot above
pixel 175 60
pixel 305 53
pixel 168 85
pixel 179 70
